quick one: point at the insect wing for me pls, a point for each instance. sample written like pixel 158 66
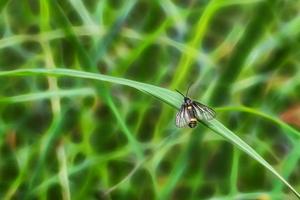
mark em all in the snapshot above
pixel 182 117
pixel 203 112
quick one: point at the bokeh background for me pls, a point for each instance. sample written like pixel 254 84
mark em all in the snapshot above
pixel 69 138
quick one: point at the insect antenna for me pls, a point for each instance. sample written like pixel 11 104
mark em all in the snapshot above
pixel 180 93
pixel 187 92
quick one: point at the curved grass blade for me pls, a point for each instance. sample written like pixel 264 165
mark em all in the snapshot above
pixel 170 97
pixel 285 126
pixel 47 95
pixel 220 129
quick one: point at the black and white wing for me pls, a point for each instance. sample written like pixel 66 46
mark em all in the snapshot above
pixel 203 112
pixel 182 117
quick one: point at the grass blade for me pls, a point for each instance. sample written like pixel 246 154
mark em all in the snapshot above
pixel 170 97
pixel 47 95
pixel 220 129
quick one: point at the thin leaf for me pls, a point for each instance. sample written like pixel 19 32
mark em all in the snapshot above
pixel 170 97
pixel 47 95
pixel 220 129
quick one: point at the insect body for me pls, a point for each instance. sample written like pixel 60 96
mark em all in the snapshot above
pixel 191 112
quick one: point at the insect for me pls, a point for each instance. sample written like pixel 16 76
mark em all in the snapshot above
pixel 191 112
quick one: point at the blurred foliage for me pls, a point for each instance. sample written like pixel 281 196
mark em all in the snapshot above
pixel 68 138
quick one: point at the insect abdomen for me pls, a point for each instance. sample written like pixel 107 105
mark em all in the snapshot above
pixel 193 123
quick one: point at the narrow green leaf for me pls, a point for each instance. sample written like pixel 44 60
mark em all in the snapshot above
pixel 220 129
pixel 170 97
pixel 47 95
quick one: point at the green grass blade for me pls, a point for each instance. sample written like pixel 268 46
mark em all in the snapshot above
pixel 48 95
pixel 170 97
pixel 289 129
pixel 220 129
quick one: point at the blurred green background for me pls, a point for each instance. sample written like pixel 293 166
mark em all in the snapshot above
pixel 70 138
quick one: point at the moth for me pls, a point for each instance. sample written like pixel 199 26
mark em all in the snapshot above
pixel 192 111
